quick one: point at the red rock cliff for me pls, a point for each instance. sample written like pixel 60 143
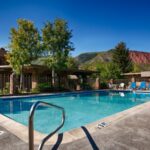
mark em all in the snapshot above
pixel 140 57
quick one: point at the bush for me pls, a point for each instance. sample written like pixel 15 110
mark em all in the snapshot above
pixel 103 85
pixel 35 90
pixel 5 91
pixel 86 86
pixel 42 87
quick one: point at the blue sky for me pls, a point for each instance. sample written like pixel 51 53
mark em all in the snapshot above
pixel 97 24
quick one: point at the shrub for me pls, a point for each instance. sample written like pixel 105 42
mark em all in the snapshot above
pixel 35 90
pixel 6 89
pixel 103 85
pixel 42 87
pixel 86 86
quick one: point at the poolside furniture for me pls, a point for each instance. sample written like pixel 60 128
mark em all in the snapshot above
pixel 133 85
pixel 122 86
pixel 148 86
pixel 142 85
pixel 110 86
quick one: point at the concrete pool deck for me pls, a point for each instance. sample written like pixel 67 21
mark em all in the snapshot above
pixel 127 130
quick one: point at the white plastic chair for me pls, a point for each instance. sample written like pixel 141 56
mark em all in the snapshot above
pixel 122 85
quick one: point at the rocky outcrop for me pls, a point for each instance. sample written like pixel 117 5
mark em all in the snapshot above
pixel 140 57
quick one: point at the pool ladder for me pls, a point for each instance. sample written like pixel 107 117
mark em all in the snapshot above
pixel 31 125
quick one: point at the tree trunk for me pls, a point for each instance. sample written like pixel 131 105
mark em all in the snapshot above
pixel 11 87
pixel 21 79
pixel 53 77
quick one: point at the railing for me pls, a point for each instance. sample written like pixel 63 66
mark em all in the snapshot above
pixel 31 125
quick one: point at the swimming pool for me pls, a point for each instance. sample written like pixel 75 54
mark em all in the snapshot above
pixel 81 108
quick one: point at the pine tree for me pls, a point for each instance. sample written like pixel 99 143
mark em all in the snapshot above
pixel 121 58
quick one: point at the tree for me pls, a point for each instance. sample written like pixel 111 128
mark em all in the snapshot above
pixel 56 40
pixel 137 68
pixel 71 63
pixel 108 71
pixel 121 58
pixel 24 46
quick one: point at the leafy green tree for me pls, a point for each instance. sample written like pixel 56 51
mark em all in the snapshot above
pixel 113 71
pixel 108 71
pixel 121 58
pixel 137 68
pixel 71 63
pixel 56 41
pixel 24 46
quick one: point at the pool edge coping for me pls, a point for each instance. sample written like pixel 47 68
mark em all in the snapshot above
pixel 47 94
pixel 59 93
pixel 21 131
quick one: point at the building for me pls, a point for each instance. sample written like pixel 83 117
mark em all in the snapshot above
pixel 69 79
pixel 137 77
pixel 33 75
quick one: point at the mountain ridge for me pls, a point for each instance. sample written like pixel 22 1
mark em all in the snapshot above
pixel 138 57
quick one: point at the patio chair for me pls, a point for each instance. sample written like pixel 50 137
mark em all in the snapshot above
pixel 133 85
pixel 149 86
pixel 122 86
pixel 142 85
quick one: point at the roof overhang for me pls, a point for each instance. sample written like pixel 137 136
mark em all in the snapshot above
pixel 145 74
pixel 131 74
pixel 142 74
pixel 39 68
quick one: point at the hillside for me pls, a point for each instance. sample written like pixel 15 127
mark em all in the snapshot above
pixel 141 59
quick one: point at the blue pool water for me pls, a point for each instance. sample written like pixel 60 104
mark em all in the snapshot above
pixel 80 108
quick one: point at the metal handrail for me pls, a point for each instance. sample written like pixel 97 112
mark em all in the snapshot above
pixel 31 125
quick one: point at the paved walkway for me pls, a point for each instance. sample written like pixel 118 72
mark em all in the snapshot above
pixel 130 133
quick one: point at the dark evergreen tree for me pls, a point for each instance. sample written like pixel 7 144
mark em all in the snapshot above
pixel 121 58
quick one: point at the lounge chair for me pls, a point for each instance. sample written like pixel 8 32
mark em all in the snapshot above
pixel 133 85
pixel 142 85
pixel 149 86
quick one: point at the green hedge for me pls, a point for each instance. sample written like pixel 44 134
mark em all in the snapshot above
pixel 42 87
